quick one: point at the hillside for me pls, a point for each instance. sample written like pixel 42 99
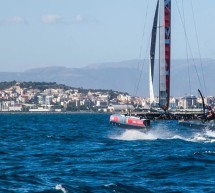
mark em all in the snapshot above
pixel 123 76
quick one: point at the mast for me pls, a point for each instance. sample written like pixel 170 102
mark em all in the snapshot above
pixel 164 55
pixel 152 55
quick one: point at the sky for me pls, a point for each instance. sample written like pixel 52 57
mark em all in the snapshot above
pixel 75 33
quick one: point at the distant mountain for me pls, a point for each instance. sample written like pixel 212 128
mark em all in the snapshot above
pixel 126 76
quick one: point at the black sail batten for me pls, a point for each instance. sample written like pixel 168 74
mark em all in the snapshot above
pixel 203 102
pixel 153 41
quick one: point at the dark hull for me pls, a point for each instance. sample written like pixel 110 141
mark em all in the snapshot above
pixel 198 124
pixel 126 126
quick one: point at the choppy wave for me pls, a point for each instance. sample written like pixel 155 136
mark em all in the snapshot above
pixel 61 187
pixel 131 135
pixel 69 153
pixel 205 135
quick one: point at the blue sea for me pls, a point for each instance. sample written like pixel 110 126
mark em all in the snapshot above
pixel 83 153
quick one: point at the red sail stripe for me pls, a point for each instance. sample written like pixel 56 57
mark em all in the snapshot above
pixel 167 18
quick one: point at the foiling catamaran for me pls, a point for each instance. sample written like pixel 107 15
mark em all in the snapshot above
pixel 207 120
pixel 163 11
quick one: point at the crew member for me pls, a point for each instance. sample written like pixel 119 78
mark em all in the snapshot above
pixel 210 113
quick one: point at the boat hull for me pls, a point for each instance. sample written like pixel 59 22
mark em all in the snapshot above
pixel 198 124
pixel 129 122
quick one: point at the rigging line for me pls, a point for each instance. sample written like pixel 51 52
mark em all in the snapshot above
pixel 141 71
pixel 197 38
pixel 186 49
pixel 189 45
pixel 141 45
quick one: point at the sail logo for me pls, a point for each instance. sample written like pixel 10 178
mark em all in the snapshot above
pixel 167 32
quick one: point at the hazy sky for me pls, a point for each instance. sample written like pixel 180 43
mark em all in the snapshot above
pixel 74 33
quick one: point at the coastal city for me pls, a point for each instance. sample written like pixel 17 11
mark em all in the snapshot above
pixel 51 97
pixel 107 96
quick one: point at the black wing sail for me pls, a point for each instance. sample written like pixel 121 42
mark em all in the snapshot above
pixel 203 102
pixel 153 41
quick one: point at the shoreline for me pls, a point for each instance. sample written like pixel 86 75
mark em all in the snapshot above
pixel 41 112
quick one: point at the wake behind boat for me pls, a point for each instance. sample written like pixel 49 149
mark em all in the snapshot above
pixel 129 122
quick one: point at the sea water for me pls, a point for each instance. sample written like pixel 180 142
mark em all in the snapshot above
pixel 83 153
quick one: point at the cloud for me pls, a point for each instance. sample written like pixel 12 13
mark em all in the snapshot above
pixel 52 19
pixel 57 19
pixel 79 19
pixel 14 20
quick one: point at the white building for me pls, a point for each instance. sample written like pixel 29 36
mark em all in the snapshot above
pixel 120 108
pixel 188 102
